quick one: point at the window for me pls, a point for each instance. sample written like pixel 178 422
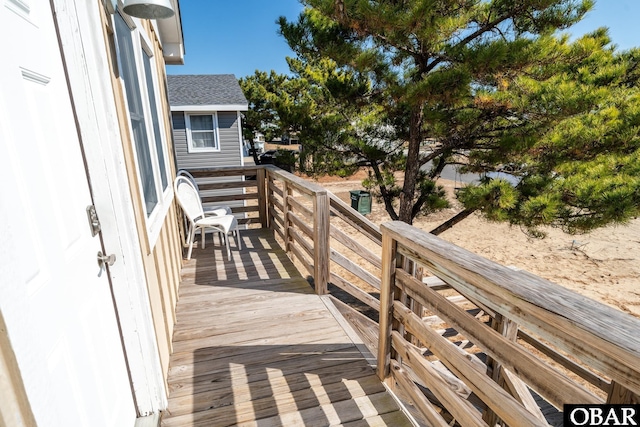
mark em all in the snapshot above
pixel 154 118
pixel 202 132
pixel 136 66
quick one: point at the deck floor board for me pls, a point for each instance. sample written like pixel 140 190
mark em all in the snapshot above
pixel 253 345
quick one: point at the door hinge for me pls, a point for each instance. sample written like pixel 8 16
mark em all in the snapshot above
pixel 106 259
pixel 94 222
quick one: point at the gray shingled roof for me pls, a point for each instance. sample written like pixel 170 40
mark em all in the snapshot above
pixel 205 89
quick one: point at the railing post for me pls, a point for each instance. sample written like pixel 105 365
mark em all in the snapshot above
pixel 261 178
pixel 618 394
pixel 321 246
pixel 389 248
pixel 508 329
pixel 286 192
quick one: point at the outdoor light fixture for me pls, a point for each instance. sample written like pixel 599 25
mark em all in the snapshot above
pixel 148 9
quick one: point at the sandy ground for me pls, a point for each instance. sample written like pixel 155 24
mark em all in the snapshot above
pixel 604 265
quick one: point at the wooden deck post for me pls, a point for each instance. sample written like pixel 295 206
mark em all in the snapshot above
pixel 508 329
pixel 618 394
pixel 261 178
pixel 321 244
pixel 286 192
pixel 389 247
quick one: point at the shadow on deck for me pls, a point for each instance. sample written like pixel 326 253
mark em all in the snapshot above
pixel 254 345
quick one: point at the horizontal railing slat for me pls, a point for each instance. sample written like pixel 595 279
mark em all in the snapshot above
pixel 299 184
pixel 549 383
pixel 245 209
pixel 584 373
pixel 298 222
pixel 356 247
pixel 355 291
pixel 278 227
pixel 230 198
pixel 295 249
pixel 224 171
pixel 275 202
pixel 277 219
pixel 244 221
pixel 300 208
pixel 502 403
pixel 401 376
pixel 273 188
pixel 460 408
pixel 301 241
pixel 347 214
pixel 227 185
pixel 355 269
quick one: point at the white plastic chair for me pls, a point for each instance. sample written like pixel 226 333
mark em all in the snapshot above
pixel 214 210
pixel 189 200
pixel 208 210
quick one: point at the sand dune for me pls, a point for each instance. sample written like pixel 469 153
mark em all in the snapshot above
pixel 604 265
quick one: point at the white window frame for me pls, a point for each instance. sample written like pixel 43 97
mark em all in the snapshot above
pixel 141 46
pixel 216 133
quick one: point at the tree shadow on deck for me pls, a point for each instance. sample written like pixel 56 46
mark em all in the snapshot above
pixel 260 262
pixel 236 365
pixel 261 259
pixel 316 384
pixel 253 342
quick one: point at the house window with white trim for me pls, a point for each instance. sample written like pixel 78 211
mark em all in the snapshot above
pixel 155 119
pixel 202 132
pixel 137 71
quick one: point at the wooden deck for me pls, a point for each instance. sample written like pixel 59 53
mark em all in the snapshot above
pixel 254 346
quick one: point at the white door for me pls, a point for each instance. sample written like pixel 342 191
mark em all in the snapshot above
pixel 56 302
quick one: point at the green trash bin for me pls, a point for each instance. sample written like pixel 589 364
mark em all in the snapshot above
pixel 361 201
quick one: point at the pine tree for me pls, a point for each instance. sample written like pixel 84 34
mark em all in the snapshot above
pixel 406 87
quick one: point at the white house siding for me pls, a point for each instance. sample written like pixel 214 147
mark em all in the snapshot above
pixel 229 154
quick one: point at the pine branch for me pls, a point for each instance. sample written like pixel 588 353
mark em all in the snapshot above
pixel 480 31
pixel 452 221
pixel 435 173
pixel 436 153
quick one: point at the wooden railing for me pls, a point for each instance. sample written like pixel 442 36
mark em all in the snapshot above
pixel 242 187
pixel 588 339
pixel 298 213
pixel 360 265
pixel 462 337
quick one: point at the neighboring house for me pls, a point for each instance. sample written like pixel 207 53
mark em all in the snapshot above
pixel 86 166
pixel 206 114
pixel 291 139
pixel 207 126
pixel 258 143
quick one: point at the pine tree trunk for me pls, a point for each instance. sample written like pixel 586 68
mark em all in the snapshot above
pixel 412 166
pixel 254 153
pixel 252 144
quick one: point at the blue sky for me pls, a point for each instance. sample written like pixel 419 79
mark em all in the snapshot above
pixel 241 36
